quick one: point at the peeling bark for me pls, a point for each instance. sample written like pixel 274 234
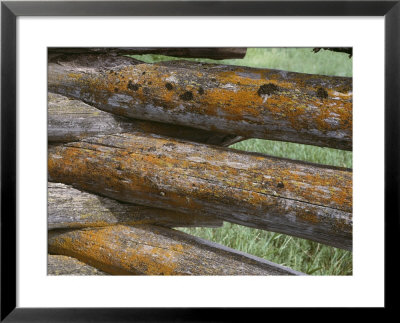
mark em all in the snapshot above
pixel 152 250
pixel 248 102
pixel 296 198
pixel 70 208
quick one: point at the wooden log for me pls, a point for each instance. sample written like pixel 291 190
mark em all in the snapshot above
pixel 71 208
pixel 152 250
pixel 249 102
pixel 71 120
pixel 58 265
pixel 296 198
pixel 189 52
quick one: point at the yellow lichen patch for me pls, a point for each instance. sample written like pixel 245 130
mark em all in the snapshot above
pixel 120 249
pixel 237 105
pixel 76 76
pixel 343 225
pixel 141 163
pixel 248 100
pixel 319 189
pixel 139 255
pixel 151 260
pixel 343 197
pixel 309 217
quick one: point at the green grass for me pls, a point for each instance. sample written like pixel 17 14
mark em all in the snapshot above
pixel 302 60
pixel 302 255
pixel 299 254
pixel 326 156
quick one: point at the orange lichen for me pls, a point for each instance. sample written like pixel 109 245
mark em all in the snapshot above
pixel 119 249
pixel 139 160
pixel 235 95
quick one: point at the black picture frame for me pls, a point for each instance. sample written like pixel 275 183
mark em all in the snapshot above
pixel 10 10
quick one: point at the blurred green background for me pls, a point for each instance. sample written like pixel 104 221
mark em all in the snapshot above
pixel 302 255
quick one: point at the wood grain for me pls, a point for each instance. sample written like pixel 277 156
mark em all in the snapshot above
pixel 249 102
pixel 71 120
pixel 296 198
pixel 71 208
pixel 58 265
pixel 152 250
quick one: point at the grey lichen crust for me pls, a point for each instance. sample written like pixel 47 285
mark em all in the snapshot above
pixel 71 208
pixel 63 265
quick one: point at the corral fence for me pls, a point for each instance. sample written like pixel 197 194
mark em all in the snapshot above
pixel 136 149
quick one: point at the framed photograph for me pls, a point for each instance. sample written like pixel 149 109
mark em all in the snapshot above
pixel 203 71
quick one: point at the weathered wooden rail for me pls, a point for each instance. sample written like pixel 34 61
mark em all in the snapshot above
pixel 64 265
pixel 151 250
pixel 300 199
pixel 73 120
pixel 70 208
pixel 136 149
pixel 254 103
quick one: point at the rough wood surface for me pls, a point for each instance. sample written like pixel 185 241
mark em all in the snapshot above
pixel 71 120
pixel 295 198
pixel 58 265
pixel 190 52
pixel 151 250
pixel 250 102
pixel 71 208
